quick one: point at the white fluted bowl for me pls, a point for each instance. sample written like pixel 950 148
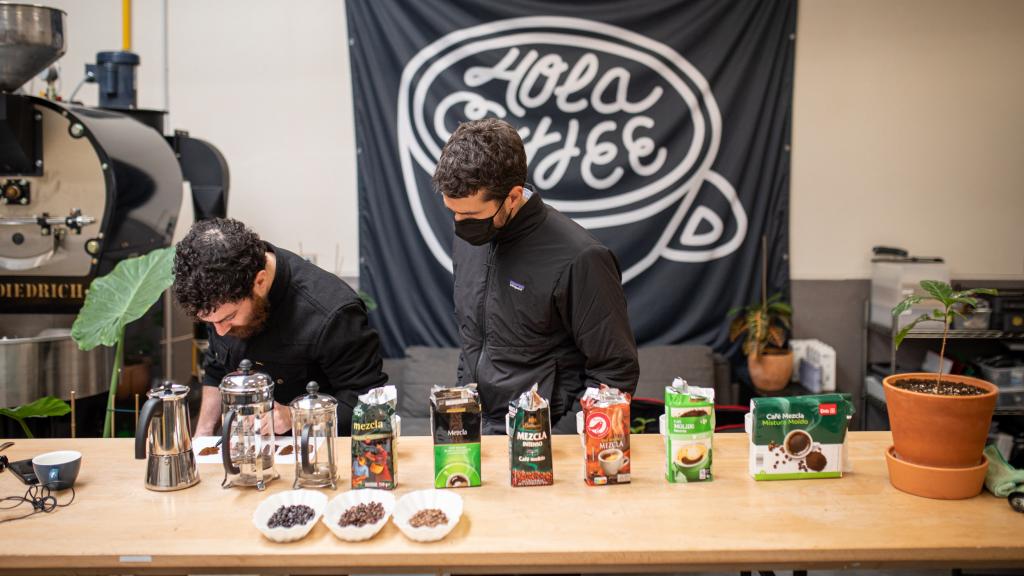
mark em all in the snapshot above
pixel 446 501
pixel 315 500
pixel 343 502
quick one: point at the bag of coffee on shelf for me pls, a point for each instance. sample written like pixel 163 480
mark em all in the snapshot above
pixel 456 421
pixel 688 428
pixel 798 437
pixel 375 431
pixel 603 426
pixel 528 425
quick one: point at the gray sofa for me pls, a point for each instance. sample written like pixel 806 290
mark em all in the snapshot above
pixel 425 367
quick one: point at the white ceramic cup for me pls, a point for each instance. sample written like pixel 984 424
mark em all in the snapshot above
pixel 612 460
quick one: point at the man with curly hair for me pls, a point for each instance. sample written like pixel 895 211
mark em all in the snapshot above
pixel 538 299
pixel 293 320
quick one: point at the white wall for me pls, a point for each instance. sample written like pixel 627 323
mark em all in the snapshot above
pixel 908 131
pixel 267 82
pixel 907 127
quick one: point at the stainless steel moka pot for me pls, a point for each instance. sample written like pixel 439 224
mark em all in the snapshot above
pixel 247 436
pixel 164 426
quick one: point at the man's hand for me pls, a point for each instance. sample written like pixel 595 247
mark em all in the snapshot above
pixel 209 412
pixel 282 420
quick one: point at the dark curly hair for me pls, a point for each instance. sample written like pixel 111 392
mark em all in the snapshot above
pixel 216 263
pixel 483 154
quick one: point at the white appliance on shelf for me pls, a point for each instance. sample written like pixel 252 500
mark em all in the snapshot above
pixel 814 365
pixel 892 281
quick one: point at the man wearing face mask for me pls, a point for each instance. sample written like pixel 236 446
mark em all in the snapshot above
pixel 538 299
pixel 293 320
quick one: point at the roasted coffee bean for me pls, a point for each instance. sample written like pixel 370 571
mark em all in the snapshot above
pixel 288 516
pixel 428 518
pixel 362 514
pixel 816 461
pixel 532 478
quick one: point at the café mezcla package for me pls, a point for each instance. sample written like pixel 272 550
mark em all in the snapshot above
pixel 456 423
pixel 688 426
pixel 799 436
pixel 528 425
pixel 375 439
pixel 603 425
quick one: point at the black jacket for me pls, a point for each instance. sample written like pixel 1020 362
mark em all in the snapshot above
pixel 317 330
pixel 541 303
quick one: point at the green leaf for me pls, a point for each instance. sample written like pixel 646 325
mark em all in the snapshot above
pixel 910 326
pixel 737 327
pixel 43 408
pixel 906 304
pixel 781 308
pixel 122 296
pixel 973 291
pixel 368 301
pixel 785 321
pixel 939 290
pixel 966 300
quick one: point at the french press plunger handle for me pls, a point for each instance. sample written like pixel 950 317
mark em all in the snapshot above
pixel 307 466
pixel 225 444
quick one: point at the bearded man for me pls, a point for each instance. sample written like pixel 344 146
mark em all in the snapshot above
pixel 293 320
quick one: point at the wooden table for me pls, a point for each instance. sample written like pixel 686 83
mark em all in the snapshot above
pixel 733 523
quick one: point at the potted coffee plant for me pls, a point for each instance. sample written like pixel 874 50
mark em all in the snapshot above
pixel 939 421
pixel 766 325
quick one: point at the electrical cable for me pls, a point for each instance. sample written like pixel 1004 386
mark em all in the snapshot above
pixel 40 497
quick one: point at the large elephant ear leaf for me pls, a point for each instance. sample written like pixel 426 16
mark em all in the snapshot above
pixel 121 297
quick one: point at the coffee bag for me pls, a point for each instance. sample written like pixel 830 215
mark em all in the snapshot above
pixel 603 425
pixel 528 424
pixel 456 422
pixel 689 427
pixel 798 437
pixel 375 439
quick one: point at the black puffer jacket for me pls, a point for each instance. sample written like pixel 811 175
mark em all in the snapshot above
pixel 541 303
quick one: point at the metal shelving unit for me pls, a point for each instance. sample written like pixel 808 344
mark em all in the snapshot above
pixel 937 334
pixel 1014 337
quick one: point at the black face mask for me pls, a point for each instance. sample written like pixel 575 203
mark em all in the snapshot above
pixel 478 231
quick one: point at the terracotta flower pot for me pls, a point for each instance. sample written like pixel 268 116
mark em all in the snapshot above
pixel 941 483
pixel 939 431
pixel 770 372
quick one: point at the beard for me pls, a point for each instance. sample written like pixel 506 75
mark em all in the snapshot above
pixel 260 313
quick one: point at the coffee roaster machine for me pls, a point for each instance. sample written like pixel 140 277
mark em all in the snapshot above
pixel 81 188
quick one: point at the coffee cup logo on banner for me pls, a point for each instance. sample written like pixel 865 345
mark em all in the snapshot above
pixel 621 133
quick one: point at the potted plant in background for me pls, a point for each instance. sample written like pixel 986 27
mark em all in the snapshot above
pixel 117 299
pixel 766 325
pixel 939 421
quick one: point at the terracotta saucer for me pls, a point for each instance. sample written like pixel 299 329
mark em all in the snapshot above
pixel 930 482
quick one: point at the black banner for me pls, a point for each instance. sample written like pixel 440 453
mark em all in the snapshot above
pixel 662 126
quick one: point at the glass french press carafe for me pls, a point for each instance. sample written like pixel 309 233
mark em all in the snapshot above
pixel 314 428
pixel 247 437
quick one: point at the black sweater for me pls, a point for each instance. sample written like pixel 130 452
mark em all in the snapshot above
pixel 317 330
pixel 541 303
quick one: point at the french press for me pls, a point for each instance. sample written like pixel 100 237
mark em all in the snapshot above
pixel 314 428
pixel 247 436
